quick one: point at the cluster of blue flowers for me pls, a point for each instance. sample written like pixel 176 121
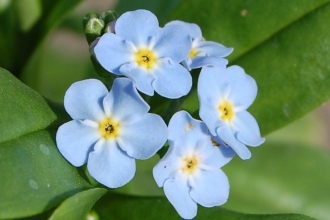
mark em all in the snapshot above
pixel 110 130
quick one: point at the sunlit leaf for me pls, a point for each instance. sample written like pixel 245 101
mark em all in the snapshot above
pixel 114 206
pixel 279 178
pixel 34 176
pixel 78 206
pixel 284 45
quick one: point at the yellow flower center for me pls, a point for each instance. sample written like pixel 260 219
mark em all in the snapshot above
pixel 145 59
pixel 226 111
pixel 189 165
pixel 193 53
pixel 109 129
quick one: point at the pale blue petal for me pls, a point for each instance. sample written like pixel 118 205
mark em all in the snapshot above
pixel 199 62
pixel 209 48
pixel 109 165
pixel 166 166
pixel 186 63
pixel 229 138
pixel 185 130
pixel 144 138
pixel 137 26
pixel 193 29
pixel 124 102
pixel 209 155
pixel 211 117
pixel 226 152
pixel 112 51
pixel 177 192
pixel 75 140
pixel 174 42
pixel 83 100
pixel 212 188
pixel 247 129
pixel 214 157
pixel 141 78
pixel 173 80
pixel 212 85
pixel 243 87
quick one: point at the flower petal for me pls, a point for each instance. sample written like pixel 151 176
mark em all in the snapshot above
pixel 174 42
pixel 112 51
pixel 109 165
pixel 166 166
pixel 212 188
pixel 144 138
pixel 124 102
pixel 173 80
pixel 75 140
pixel 137 26
pixel 210 116
pixel 185 130
pixel 212 85
pixel 229 138
pixel 226 152
pixel 247 129
pixel 141 78
pixel 243 87
pixel 193 29
pixel 199 62
pixel 83 100
pixel 214 157
pixel 210 48
pixel 177 192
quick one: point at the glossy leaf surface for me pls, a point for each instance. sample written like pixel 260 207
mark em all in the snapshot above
pixel 286 50
pixel 34 175
pixel 114 206
pixel 77 206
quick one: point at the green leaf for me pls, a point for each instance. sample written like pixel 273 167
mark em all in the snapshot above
pixel 160 8
pixel 77 206
pixel 284 45
pixel 114 206
pixel 281 177
pixel 34 175
pixel 28 12
pixel 22 109
pixel 15 52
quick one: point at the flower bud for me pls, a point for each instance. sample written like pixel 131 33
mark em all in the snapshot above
pixel 93 26
pixel 110 28
pixel 108 17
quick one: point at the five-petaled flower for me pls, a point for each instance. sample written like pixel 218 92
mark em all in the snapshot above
pixel 224 95
pixel 190 171
pixel 202 53
pixel 109 130
pixel 147 54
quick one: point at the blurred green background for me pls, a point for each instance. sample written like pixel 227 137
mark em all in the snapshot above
pixel 288 174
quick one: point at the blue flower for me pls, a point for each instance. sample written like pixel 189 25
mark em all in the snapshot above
pixel 224 96
pixel 109 130
pixel 147 54
pixel 190 170
pixel 202 53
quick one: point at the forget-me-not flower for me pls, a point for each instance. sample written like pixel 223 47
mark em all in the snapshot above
pixel 224 95
pixel 109 130
pixel 190 170
pixel 147 54
pixel 202 53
